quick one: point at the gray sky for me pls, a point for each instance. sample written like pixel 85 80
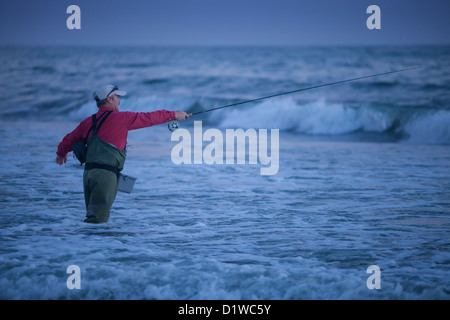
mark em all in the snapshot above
pixel 224 22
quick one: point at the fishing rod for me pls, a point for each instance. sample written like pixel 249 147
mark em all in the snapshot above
pixel 173 125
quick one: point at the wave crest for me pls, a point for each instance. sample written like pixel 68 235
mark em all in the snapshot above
pixel 313 118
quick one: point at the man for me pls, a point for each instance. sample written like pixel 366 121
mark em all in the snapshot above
pixel 106 147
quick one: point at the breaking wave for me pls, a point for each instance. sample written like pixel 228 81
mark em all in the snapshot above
pixel 433 128
pixel 315 118
pixel 329 118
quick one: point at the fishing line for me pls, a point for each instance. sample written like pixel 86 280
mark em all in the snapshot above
pixel 173 125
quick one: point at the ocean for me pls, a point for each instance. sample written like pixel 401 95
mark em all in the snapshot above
pixel 363 176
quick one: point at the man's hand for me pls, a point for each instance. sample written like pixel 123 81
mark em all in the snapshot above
pixel 181 115
pixel 61 160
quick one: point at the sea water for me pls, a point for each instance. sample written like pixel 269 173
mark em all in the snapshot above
pixel 363 176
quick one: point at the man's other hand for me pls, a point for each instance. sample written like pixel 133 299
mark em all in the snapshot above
pixel 61 160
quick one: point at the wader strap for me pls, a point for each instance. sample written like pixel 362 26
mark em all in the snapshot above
pixel 94 124
pixel 94 165
pixel 96 128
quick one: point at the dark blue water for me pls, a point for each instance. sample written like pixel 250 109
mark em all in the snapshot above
pixel 42 83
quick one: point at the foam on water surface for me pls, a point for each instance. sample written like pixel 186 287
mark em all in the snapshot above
pixel 226 232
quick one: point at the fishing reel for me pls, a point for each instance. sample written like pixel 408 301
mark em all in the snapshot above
pixel 173 125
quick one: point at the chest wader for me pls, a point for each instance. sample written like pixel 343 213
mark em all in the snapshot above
pixel 103 164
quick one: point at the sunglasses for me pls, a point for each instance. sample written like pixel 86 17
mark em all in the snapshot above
pixel 114 89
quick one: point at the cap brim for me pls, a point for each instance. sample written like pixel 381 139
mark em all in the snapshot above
pixel 119 92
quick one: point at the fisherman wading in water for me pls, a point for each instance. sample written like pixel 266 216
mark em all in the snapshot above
pixel 106 152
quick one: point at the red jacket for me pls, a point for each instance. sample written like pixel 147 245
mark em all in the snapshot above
pixel 115 128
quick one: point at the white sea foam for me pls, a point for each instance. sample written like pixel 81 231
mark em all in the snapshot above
pixel 225 232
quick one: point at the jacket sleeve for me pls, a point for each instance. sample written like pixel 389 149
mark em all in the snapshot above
pixel 77 135
pixel 138 120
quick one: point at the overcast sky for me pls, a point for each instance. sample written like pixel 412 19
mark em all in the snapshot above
pixel 224 22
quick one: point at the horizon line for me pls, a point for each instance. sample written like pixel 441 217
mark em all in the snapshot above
pixel 228 45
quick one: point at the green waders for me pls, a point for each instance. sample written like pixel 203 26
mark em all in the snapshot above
pixel 99 181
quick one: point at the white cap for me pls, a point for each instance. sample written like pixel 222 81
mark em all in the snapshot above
pixel 107 91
